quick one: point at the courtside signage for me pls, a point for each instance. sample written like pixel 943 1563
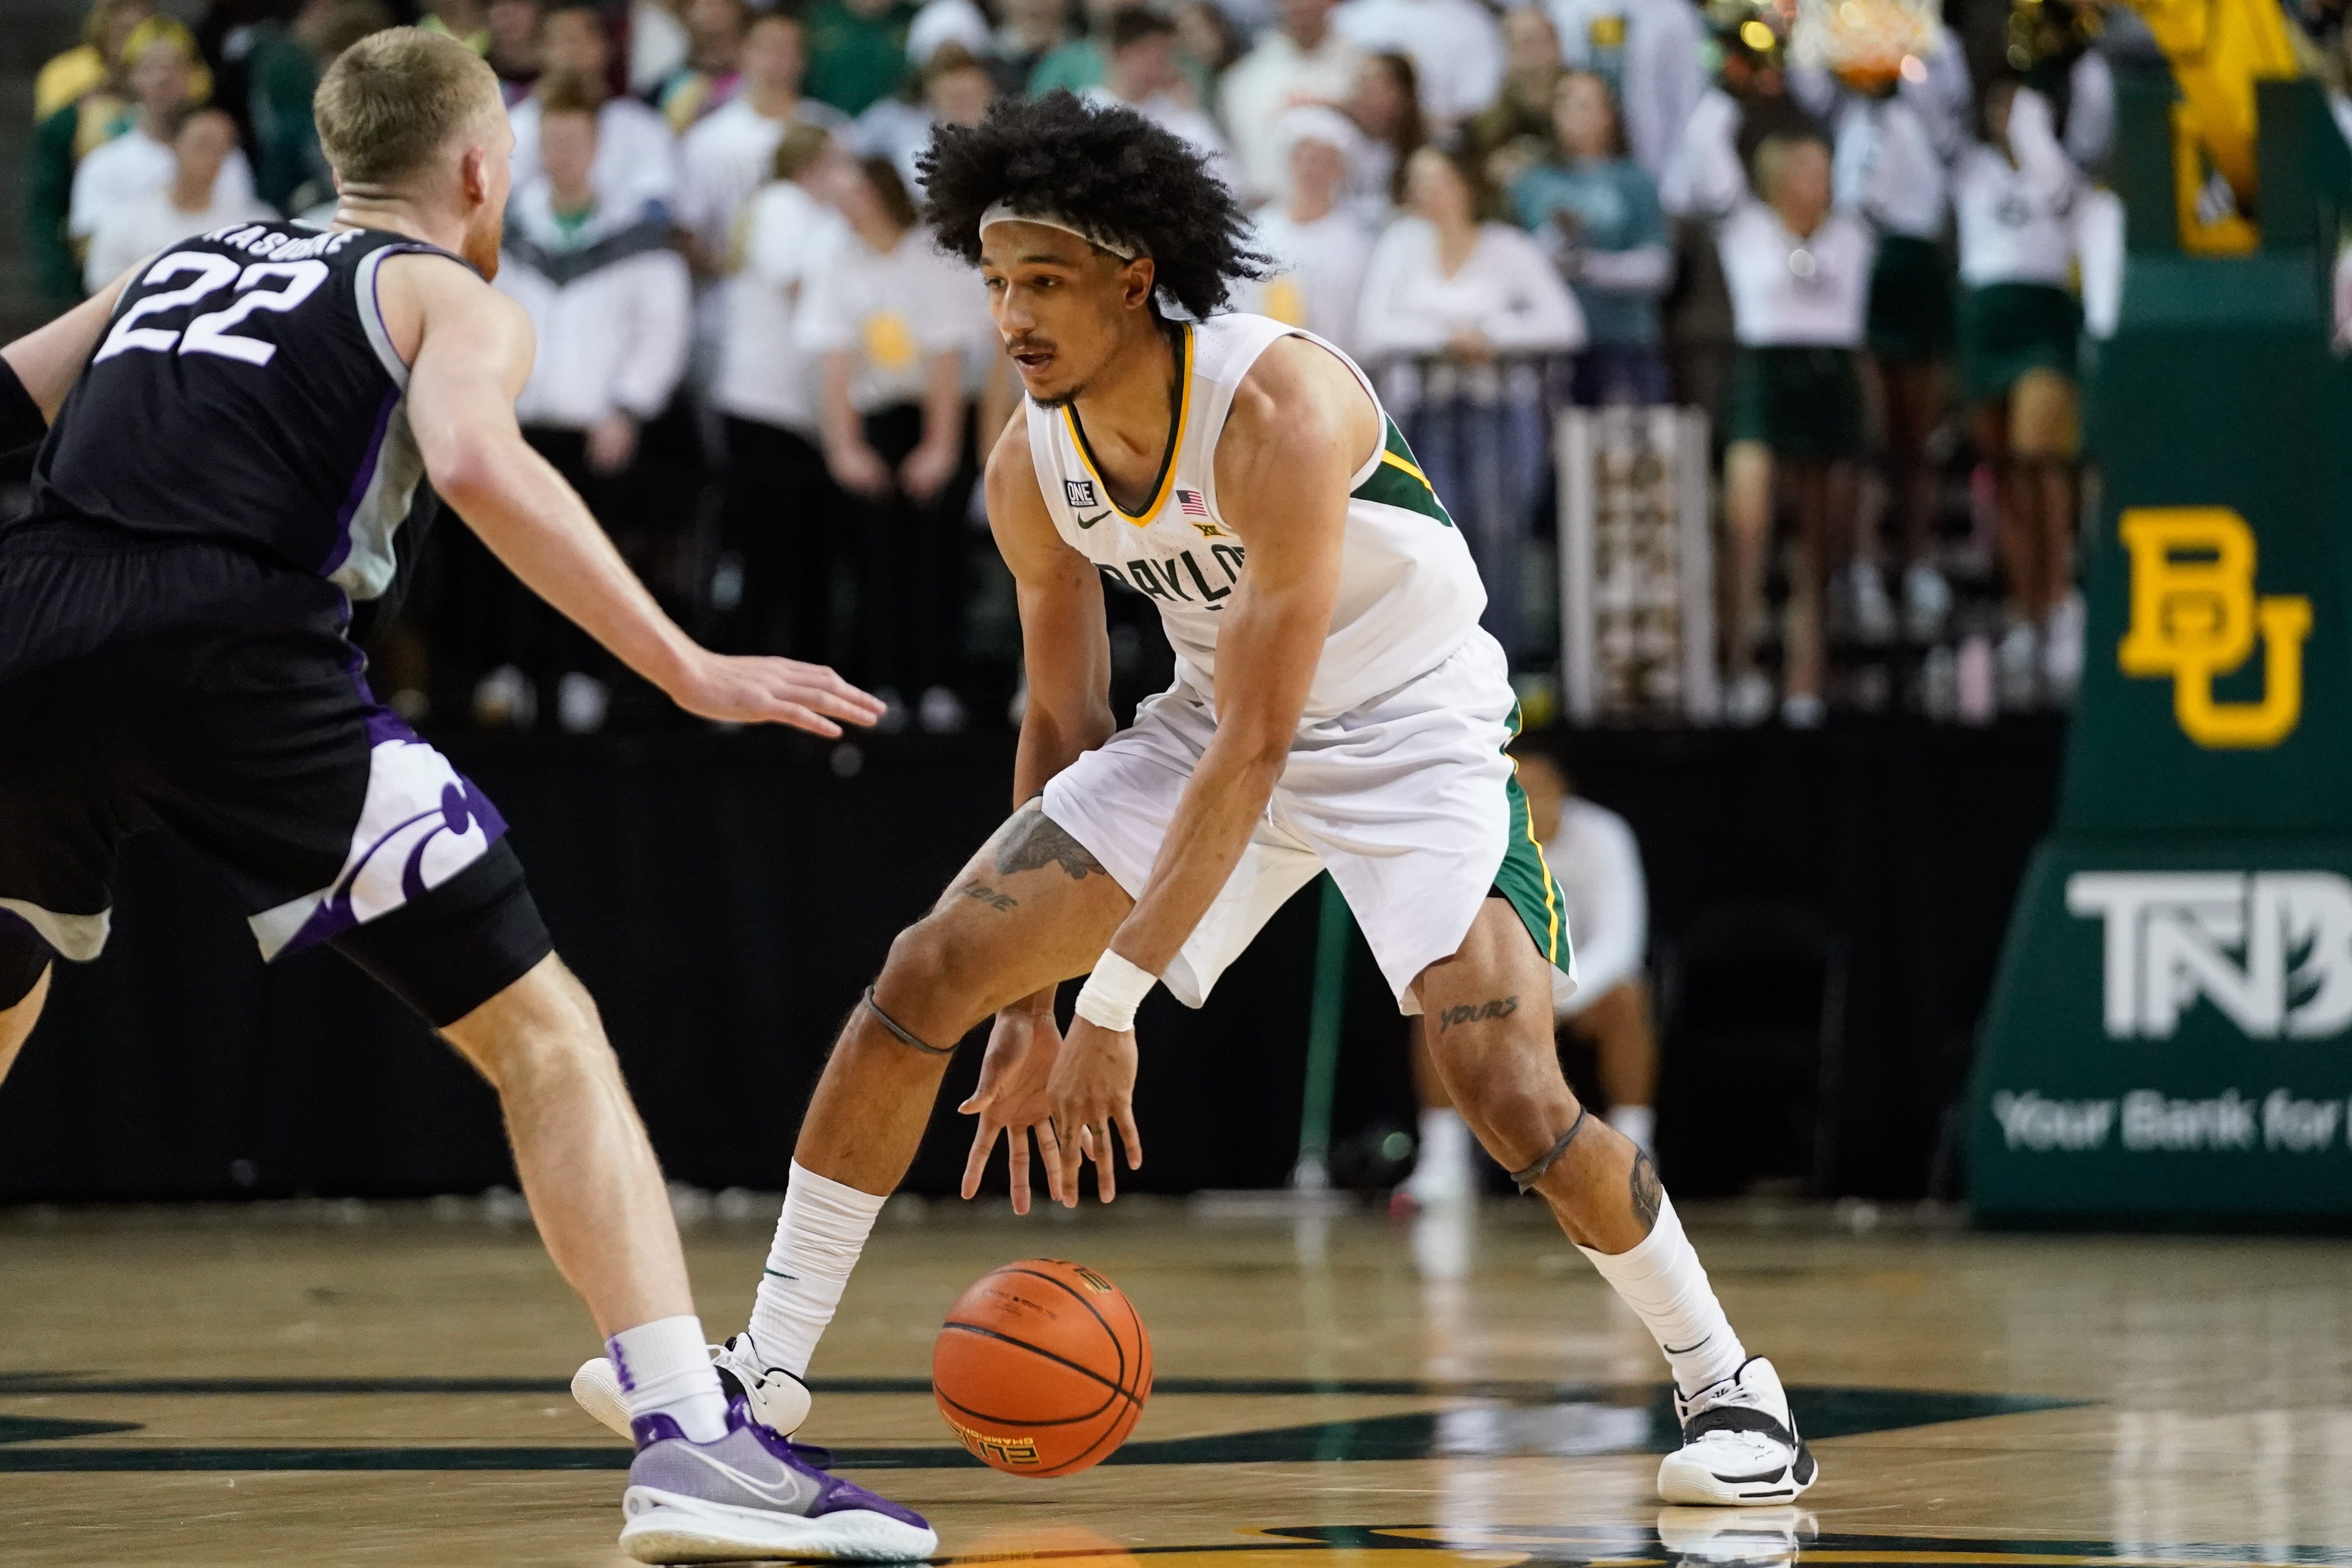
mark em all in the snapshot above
pixel 2176 1038
pixel 2271 950
pixel 2169 1034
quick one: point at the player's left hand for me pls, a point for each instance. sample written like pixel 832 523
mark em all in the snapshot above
pixel 1092 1089
pixel 1023 1047
pixel 760 691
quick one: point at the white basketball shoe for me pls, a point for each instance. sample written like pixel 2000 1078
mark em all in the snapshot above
pixel 1741 1447
pixel 777 1400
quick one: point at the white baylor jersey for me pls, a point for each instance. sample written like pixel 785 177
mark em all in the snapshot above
pixel 1409 596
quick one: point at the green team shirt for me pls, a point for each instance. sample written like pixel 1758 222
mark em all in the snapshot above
pixel 854 59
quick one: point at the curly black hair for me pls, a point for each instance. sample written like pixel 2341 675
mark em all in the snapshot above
pixel 1100 164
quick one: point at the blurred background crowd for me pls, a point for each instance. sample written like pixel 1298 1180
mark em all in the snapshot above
pixel 1874 264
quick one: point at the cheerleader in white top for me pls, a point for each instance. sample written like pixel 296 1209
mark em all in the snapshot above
pixel 1798 275
pixel 1897 121
pixel 2014 194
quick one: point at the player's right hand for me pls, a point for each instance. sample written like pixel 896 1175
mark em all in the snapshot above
pixel 1011 1100
pixel 758 691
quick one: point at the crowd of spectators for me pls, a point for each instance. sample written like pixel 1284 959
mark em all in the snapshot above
pixel 774 390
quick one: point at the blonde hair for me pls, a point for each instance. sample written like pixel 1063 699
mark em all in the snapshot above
pixel 392 101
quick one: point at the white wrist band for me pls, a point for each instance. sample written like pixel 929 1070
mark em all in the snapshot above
pixel 1112 993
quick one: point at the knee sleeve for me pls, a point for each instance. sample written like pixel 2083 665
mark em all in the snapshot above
pixel 447 952
pixel 24 959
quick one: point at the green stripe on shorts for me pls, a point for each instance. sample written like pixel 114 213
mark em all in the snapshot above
pixel 1525 878
pixel 1526 881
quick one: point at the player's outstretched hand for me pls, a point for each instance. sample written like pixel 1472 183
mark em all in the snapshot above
pixel 1011 1100
pixel 1091 1090
pixel 749 690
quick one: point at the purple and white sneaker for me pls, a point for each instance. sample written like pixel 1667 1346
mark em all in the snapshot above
pixel 753 1494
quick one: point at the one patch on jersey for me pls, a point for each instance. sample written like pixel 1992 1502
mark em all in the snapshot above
pixel 1079 492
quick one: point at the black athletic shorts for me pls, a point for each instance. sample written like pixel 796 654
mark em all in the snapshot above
pixel 202 690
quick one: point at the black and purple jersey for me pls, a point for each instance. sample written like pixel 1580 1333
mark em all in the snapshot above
pixel 245 394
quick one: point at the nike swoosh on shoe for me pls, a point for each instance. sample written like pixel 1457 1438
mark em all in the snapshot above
pixel 791 1491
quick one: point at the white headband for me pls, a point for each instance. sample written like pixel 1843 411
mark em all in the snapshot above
pixel 1001 212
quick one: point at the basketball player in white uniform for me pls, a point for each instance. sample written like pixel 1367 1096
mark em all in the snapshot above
pixel 1336 706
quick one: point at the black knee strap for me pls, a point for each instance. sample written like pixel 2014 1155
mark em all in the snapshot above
pixel 1528 1178
pixel 905 1038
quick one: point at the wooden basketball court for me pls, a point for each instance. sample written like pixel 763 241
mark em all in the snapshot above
pixel 326 1386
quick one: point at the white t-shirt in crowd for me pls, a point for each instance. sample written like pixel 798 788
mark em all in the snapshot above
pixel 1320 284
pixel 1598 865
pixel 121 171
pixel 1508 288
pixel 612 306
pixel 1788 291
pixel 637 154
pixel 1886 167
pixel 2016 225
pixel 137 229
pixel 788 237
pixel 895 312
pixel 1455 45
pixel 1265 81
pixel 1650 50
pixel 730 153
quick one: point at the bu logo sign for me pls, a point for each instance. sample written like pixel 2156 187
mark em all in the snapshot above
pixel 2194 617
pixel 2271 950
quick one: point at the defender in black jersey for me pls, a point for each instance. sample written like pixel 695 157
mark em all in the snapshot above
pixel 227 497
pixel 224 507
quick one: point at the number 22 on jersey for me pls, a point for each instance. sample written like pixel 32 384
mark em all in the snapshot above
pixel 259 285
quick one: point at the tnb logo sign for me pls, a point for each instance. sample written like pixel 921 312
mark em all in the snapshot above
pixel 2194 617
pixel 2271 950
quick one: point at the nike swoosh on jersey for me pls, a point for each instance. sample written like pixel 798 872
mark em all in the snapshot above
pixel 1091 521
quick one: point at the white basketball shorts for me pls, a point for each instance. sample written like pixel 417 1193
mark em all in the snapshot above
pixel 1409 801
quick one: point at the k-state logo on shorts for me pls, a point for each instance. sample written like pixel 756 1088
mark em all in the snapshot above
pixel 1079 492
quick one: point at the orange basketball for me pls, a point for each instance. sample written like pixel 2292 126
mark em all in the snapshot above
pixel 1042 1368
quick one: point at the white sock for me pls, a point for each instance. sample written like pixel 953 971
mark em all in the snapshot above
pixel 1638 1123
pixel 818 1237
pixel 665 1369
pixel 1663 1280
pixel 1445 1140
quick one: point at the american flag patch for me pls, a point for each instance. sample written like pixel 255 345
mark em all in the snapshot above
pixel 1191 503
